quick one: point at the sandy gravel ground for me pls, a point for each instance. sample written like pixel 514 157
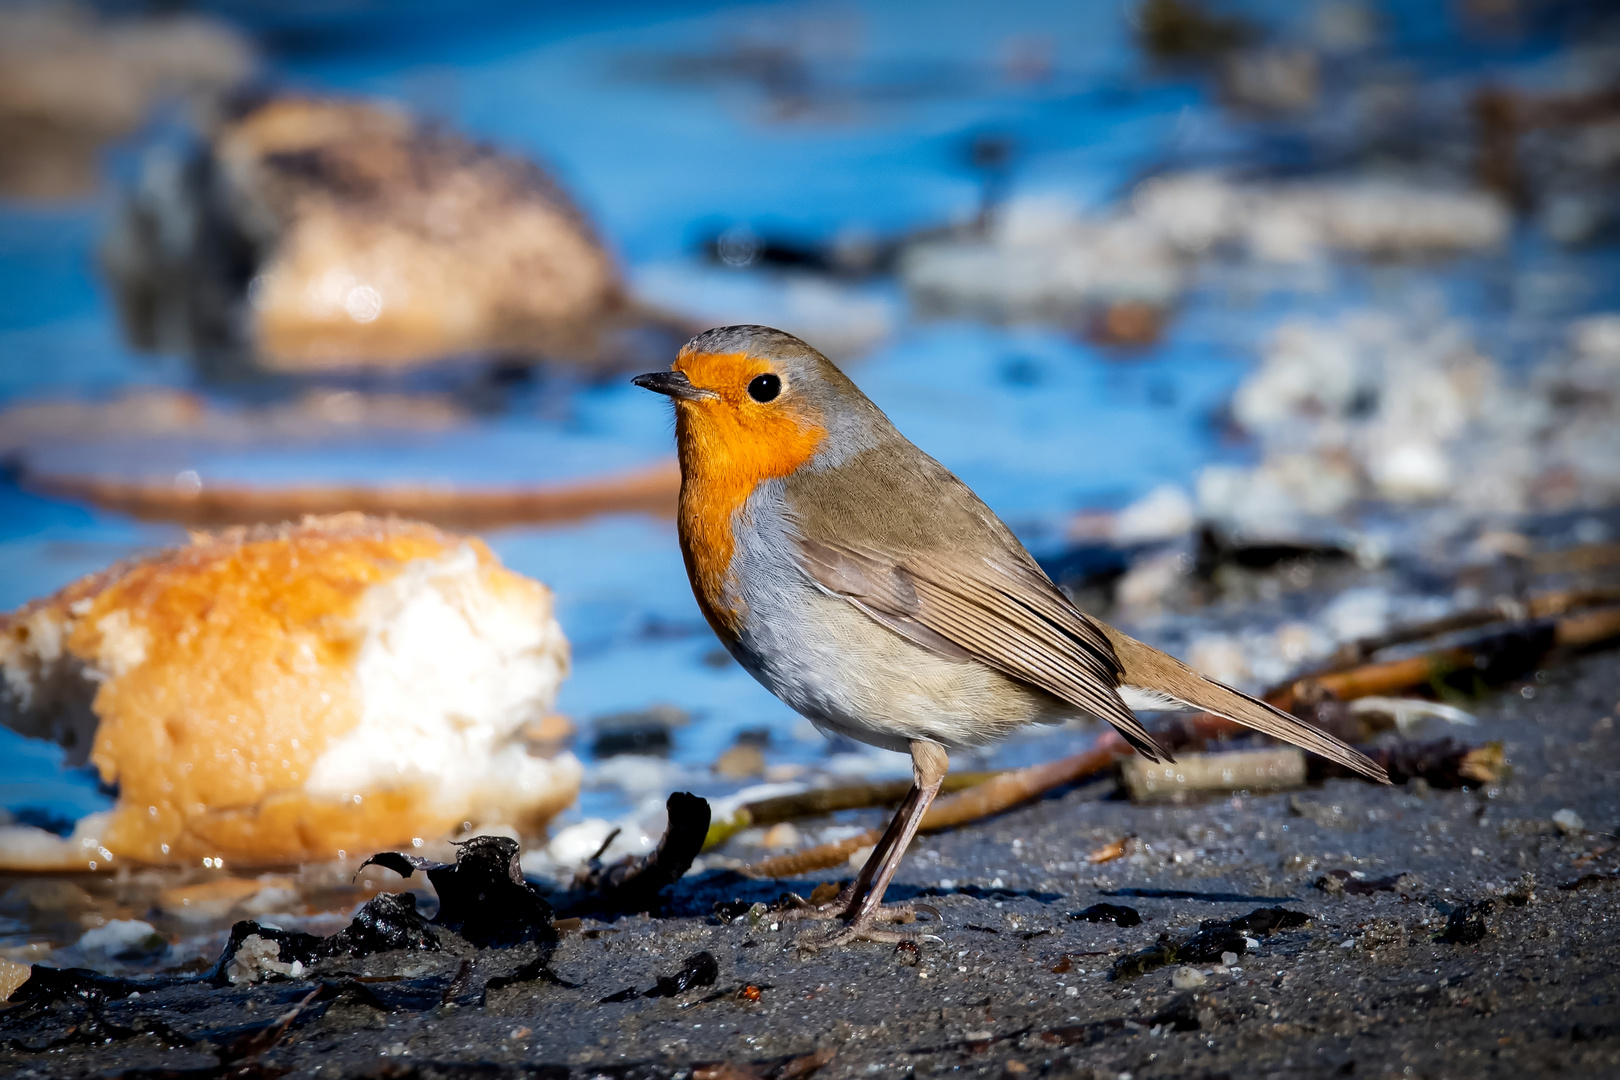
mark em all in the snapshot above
pixel 1012 986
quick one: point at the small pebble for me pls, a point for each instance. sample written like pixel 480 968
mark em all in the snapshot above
pixel 782 836
pixel 741 762
pixel 1187 978
pixel 43 894
pixel 122 939
pixel 12 975
pixel 1569 822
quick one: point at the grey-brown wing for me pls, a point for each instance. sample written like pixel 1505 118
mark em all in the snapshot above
pixel 1006 615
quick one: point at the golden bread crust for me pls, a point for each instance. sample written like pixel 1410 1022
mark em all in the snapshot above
pixel 227 670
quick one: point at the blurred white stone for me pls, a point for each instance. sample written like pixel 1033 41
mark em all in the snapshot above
pixel 1408 410
pixel 1357 613
pixel 1277 79
pixel 1194 210
pixel 1343 27
pixel 1043 260
pixel 1574 217
pixel 843 320
pixel 122 939
pixel 635 774
pixel 1187 978
pixel 578 842
pixel 1383 217
pixel 1597 338
pixel 1245 500
pixel 1569 822
pixel 1164 513
pixel 1219 657
pixel 782 836
pixel 866 764
pixel 1149 581
pixel 1410 470
pixel 1297 642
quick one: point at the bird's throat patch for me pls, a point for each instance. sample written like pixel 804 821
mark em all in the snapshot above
pixel 729 445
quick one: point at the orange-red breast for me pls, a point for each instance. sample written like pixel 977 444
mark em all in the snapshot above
pixel 868 588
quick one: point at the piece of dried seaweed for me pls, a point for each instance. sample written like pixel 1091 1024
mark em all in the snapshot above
pixel 1215 938
pixel 1118 914
pixel 1465 924
pixel 483 895
pixel 699 969
pixel 633 884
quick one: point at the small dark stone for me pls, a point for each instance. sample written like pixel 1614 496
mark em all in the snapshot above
pixel 1466 923
pixel 385 923
pixel 1263 921
pixel 1155 956
pixel 1341 882
pixel 644 732
pixel 1117 914
pixel 699 969
pixel 1206 946
pixel 1181 1014
pixel 729 911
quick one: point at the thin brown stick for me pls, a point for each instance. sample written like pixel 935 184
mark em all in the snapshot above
pixel 1581 630
pixel 817 802
pixel 819 857
pixel 1588 629
pixel 830 800
pixel 1576 559
pixel 1539 606
pixel 651 490
pixel 1001 792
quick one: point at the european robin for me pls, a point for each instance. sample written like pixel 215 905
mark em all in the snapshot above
pixel 872 591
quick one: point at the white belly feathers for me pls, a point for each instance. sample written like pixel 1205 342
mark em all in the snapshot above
pixel 847 673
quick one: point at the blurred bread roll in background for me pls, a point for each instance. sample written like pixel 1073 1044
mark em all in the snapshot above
pixel 279 694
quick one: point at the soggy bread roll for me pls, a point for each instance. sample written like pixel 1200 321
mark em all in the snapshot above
pixel 272 695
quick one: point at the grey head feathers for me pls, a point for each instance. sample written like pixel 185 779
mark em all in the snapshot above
pixel 853 423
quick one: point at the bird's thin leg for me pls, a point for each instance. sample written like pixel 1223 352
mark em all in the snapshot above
pixel 864 907
pixel 843 906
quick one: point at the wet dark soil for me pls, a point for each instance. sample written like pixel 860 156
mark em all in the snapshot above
pixel 1447 934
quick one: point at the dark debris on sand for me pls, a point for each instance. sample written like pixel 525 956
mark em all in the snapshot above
pixel 1453 932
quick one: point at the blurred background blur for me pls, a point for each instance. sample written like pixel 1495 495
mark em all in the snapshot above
pixel 1251 318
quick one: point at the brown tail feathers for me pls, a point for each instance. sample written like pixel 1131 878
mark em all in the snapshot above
pixel 1149 669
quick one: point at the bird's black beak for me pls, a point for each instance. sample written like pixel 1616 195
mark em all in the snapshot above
pixel 673 383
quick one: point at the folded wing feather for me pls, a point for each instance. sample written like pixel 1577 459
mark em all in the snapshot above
pixel 1012 618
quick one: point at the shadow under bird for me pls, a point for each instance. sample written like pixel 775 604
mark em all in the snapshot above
pixel 868 588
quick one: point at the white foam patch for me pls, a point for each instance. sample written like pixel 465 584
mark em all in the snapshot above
pixel 448 673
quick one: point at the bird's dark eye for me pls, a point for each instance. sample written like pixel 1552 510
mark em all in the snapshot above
pixel 765 387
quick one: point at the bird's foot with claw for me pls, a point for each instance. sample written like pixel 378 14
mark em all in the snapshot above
pixel 811 941
pixel 797 907
pixel 794 907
